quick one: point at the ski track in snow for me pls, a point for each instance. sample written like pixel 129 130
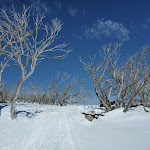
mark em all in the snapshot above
pixel 50 132
pixel 65 128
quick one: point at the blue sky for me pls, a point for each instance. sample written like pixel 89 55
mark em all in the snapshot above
pixel 87 25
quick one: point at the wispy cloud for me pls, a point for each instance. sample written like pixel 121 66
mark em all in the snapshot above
pixel 46 7
pixel 40 7
pixel 148 20
pixel 80 37
pixel 73 12
pixel 146 25
pixel 106 30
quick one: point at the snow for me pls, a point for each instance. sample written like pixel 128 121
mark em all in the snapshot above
pixel 43 127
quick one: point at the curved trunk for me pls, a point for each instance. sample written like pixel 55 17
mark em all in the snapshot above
pixel 128 105
pixel 13 103
pixel 144 106
pixel 23 78
pixel 103 102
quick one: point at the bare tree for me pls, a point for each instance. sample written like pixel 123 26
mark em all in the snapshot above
pixel 137 80
pixel 5 93
pixel 23 95
pixel 145 91
pixel 35 92
pixel 101 83
pixel 124 81
pixel 5 53
pixel 125 76
pixel 65 90
pixel 116 73
pixel 32 39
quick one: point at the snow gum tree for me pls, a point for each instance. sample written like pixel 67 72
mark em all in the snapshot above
pixel 31 40
pixel 66 90
pixel 127 82
pixel 97 72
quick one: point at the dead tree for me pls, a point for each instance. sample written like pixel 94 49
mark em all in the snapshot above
pixel 116 73
pixel 121 74
pixel 145 91
pixel 35 92
pixel 144 96
pixel 5 93
pixel 137 82
pixel 5 52
pixel 64 90
pixel 128 79
pixel 125 81
pixel 32 40
pixel 23 95
pixel 98 72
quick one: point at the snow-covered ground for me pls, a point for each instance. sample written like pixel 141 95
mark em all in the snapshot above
pixel 41 127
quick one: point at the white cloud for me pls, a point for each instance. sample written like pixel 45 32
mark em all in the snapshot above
pixel 46 7
pixel 106 30
pixel 40 7
pixel 73 11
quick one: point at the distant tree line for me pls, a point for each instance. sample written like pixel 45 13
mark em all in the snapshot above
pixel 61 91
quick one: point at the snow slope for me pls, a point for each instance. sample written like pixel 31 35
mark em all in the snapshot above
pixel 41 127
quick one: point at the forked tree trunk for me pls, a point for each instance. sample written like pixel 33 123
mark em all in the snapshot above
pixel 128 105
pixel 108 108
pixel 13 103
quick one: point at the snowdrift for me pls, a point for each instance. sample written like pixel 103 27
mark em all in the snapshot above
pixel 43 127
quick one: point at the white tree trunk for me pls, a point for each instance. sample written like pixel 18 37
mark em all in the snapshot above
pixel 1 72
pixel 13 104
pixel 0 78
pixel 23 29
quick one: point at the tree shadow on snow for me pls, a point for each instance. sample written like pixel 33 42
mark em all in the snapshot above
pixel 2 106
pixel 28 114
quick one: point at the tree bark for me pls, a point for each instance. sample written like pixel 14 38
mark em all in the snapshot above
pixel 0 78
pixel 128 105
pixel 144 106
pixel 13 103
pixel 103 102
